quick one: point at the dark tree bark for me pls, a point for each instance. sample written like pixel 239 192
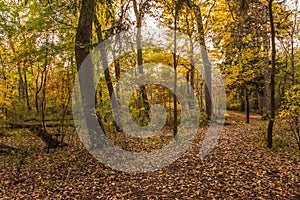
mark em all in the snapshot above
pixel 206 62
pixel 293 42
pixel 86 79
pixel 242 97
pixel 5 149
pixel 26 90
pixel 192 77
pixel 175 129
pixel 46 137
pixel 139 12
pixel 21 83
pixel 117 65
pixel 272 82
pixel 84 31
pixel 107 76
pixel 266 96
pixel 247 105
pixel 44 85
pixel 191 73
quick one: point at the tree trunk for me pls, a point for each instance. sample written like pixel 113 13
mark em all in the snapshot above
pixel 207 66
pixel 86 79
pixel 43 86
pixel 84 31
pixel 266 98
pixel 26 91
pixel 117 65
pixel 292 42
pixel 21 83
pixel 206 62
pixel 242 97
pixel 247 105
pixel 108 79
pixel 175 129
pixel 272 83
pixel 138 14
pixel 48 138
pixel 192 77
pixel 260 103
pixel 43 100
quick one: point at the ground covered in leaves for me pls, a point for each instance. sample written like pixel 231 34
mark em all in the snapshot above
pixel 239 167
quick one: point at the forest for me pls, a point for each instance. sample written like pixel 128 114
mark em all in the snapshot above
pixel 149 99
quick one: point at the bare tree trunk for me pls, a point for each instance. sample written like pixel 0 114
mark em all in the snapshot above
pixel 26 90
pixel 43 100
pixel 242 97
pixel 292 42
pixel 247 105
pixel 21 83
pixel 106 71
pixel 84 31
pixel 139 12
pixel 207 67
pixel 44 85
pixel 175 129
pixel 272 83
pixel 86 80
pixel 117 65
pixel 4 108
pixel 260 103
pixel 206 62
pixel 192 77
pixel 266 98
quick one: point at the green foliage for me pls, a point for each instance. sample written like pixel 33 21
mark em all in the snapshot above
pixel 38 39
pixel 283 143
pixel 291 105
pixel 234 106
pixel 36 59
pixel 290 111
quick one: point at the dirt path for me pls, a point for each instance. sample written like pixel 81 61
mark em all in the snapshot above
pixel 237 168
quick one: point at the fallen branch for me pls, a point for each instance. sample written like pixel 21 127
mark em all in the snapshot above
pixel 48 138
pixel 4 148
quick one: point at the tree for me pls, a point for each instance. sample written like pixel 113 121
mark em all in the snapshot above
pixel 290 112
pixel 207 65
pixel 86 80
pixel 237 34
pixel 140 11
pixel 105 66
pixel 292 35
pixel 272 81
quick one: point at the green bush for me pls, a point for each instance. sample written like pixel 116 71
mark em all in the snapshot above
pixel 290 111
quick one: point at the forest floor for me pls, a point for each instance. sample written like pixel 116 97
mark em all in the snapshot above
pixel 239 167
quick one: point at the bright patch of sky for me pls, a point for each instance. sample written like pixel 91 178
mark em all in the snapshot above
pixel 150 21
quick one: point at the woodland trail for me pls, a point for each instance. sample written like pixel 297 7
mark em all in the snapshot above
pixel 237 168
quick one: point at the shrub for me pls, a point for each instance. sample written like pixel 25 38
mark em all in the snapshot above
pixel 290 111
